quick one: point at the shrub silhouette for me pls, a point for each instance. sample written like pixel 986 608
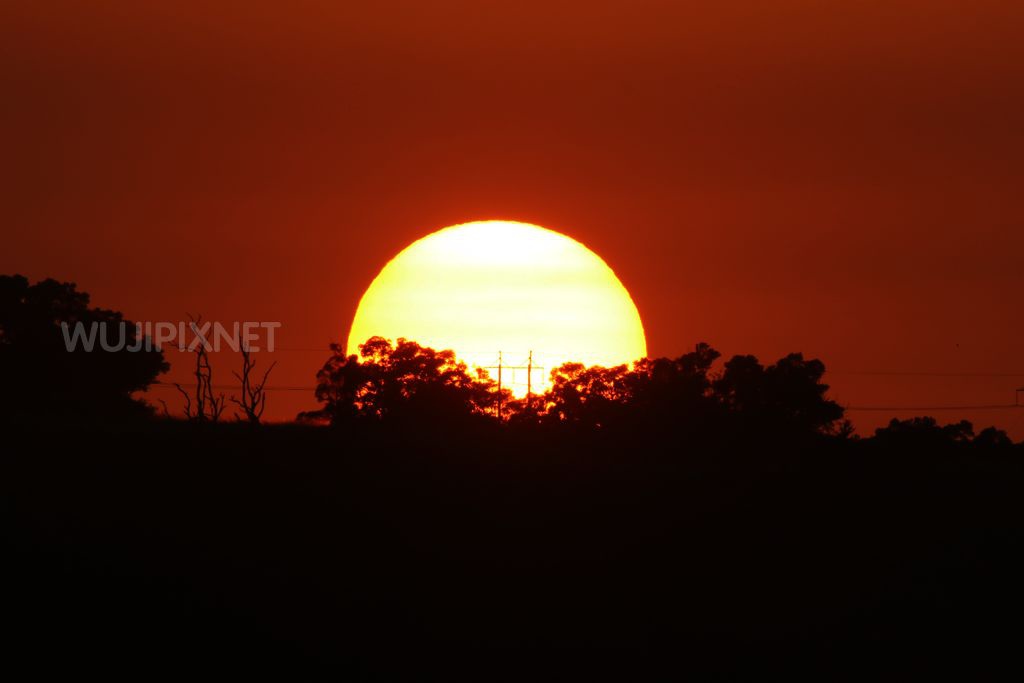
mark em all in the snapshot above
pixel 41 376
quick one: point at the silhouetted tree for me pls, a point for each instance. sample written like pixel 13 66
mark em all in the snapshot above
pixel 676 392
pixel 404 380
pixel 788 395
pixel 683 395
pixel 589 396
pixel 204 405
pixel 254 395
pixel 682 379
pixel 42 374
pixel 680 395
pixel 340 385
pixel 925 432
pixel 990 437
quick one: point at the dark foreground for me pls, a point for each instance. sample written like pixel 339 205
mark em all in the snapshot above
pixel 306 554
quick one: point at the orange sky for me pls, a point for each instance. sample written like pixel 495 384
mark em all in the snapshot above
pixel 838 178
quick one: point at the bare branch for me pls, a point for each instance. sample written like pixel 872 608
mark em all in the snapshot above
pixel 254 395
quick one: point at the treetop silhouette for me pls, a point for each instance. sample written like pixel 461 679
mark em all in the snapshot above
pixel 407 380
pixel 400 381
pixel 42 376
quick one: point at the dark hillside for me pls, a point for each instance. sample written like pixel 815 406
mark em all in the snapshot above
pixel 378 553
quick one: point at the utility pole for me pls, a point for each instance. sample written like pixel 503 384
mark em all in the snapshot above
pixel 529 380
pixel 500 367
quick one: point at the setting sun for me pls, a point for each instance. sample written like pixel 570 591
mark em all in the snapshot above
pixel 500 286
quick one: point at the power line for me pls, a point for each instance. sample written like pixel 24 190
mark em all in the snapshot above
pixel 530 368
pixel 897 409
pixel 914 373
pixel 225 387
pixel 324 350
pixel 880 373
pixel 881 409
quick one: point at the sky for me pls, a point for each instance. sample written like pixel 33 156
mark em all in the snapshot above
pixel 841 179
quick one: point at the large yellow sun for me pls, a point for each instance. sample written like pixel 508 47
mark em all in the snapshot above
pixel 508 292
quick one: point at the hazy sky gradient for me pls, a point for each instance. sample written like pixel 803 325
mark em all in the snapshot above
pixel 838 178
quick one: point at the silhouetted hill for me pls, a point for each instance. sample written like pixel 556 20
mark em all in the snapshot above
pixel 500 554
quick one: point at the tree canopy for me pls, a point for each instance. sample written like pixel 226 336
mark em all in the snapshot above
pixel 42 376
pixel 387 381
pixel 400 381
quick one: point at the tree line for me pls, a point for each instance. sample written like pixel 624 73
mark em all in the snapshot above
pixel 404 382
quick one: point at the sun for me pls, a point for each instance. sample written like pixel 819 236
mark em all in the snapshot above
pixel 503 291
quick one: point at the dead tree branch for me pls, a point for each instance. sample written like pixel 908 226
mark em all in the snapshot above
pixel 204 405
pixel 254 395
